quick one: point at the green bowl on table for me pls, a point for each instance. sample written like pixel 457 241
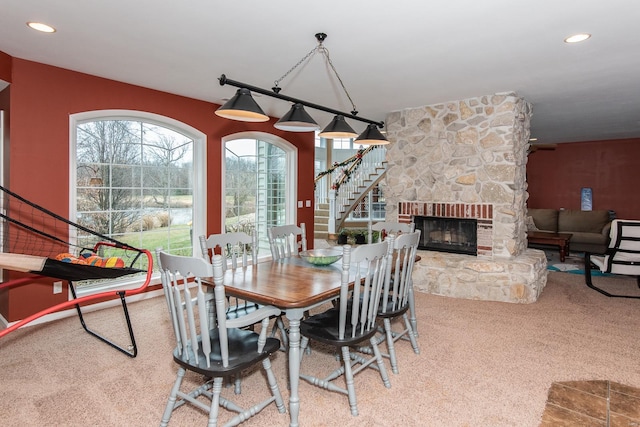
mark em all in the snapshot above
pixel 321 256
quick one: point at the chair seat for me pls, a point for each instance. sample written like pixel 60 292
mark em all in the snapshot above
pixel 240 310
pixel 242 353
pixel 391 313
pixel 324 327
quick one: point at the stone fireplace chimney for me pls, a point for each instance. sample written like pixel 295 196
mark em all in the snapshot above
pixel 467 159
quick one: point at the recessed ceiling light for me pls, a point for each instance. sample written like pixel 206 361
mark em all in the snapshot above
pixel 576 38
pixel 39 26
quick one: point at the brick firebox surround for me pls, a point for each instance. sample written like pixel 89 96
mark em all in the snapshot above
pixel 467 159
pixel 481 212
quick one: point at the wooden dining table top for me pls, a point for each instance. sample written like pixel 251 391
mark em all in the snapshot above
pixel 286 283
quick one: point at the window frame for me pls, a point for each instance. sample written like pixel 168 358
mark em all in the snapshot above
pixel 291 167
pixel 199 175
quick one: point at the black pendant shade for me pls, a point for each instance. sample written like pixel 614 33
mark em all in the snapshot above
pixel 242 107
pixel 372 136
pixel 338 128
pixel 297 120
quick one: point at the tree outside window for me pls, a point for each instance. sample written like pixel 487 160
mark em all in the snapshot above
pixel 134 183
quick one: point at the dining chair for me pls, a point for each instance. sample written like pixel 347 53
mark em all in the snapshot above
pixel 352 322
pixel 621 257
pixel 385 228
pixel 215 350
pixel 287 240
pixel 238 250
pixel 396 293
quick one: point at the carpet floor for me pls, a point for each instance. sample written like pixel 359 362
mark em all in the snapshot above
pixel 481 364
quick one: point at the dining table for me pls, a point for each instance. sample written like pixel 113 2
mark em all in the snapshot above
pixel 294 286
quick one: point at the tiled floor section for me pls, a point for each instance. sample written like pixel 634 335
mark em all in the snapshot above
pixel 592 403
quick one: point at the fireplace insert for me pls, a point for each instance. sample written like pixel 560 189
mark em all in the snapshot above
pixel 456 235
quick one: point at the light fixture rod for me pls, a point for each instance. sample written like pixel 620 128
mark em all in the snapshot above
pixel 225 81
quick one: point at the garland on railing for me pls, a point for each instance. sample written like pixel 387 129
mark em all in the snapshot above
pixel 346 172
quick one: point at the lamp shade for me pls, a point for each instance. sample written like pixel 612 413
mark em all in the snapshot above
pixel 297 120
pixel 372 136
pixel 338 128
pixel 242 107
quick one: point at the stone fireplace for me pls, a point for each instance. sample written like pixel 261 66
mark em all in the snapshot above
pixel 467 159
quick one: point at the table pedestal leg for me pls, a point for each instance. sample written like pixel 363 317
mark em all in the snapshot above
pixel 294 316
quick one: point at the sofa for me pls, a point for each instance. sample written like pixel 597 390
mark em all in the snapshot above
pixel 589 229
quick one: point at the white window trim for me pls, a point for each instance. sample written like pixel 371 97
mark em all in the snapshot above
pixel 199 172
pixel 291 191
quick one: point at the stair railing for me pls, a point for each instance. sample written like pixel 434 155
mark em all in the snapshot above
pixel 344 183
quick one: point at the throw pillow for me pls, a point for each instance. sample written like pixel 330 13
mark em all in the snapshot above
pixel 531 225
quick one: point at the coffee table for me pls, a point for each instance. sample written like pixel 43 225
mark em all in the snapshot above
pixel 561 240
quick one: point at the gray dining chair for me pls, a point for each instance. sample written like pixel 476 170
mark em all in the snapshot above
pixel 388 227
pixel 287 240
pixel 352 322
pixel 397 293
pixel 238 250
pixel 384 228
pixel 213 349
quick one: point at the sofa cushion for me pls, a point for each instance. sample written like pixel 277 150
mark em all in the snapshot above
pixel 582 221
pixel 545 219
pixel 588 238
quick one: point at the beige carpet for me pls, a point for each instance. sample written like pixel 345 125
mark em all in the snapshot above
pixel 482 364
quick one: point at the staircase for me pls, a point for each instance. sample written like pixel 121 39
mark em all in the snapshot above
pixel 341 188
pixel 321 221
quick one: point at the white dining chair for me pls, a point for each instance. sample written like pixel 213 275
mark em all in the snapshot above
pixel 287 240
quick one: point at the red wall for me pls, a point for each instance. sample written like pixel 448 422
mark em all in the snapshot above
pixel 41 99
pixel 610 168
pixel 5 67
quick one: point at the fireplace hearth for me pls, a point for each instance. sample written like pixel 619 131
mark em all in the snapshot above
pixel 454 235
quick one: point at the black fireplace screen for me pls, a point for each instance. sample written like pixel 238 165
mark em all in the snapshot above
pixel 457 235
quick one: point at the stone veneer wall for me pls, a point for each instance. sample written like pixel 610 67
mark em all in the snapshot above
pixel 469 152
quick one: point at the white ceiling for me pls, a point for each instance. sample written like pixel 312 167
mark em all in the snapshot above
pixel 390 55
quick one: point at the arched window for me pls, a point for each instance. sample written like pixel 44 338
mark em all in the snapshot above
pixel 259 184
pixel 138 177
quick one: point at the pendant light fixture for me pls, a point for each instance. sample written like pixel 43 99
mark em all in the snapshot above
pixel 372 136
pixel 297 120
pixel 338 128
pixel 244 108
